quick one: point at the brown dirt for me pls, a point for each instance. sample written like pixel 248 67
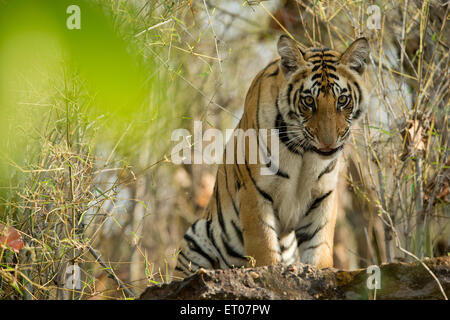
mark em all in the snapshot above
pixel 398 281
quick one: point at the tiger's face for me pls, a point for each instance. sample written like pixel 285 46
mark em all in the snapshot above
pixel 322 95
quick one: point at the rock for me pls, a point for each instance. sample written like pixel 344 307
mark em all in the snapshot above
pixel 398 281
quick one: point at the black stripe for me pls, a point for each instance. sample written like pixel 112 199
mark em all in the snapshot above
pixel 330 167
pixel 198 249
pixel 316 76
pixel 258 102
pixel 238 231
pixel 283 248
pixel 231 252
pixel 296 94
pixel 322 55
pixel 300 91
pixel 329 66
pixel 359 91
pixel 179 269
pixel 289 93
pixel 293 114
pixel 283 136
pixel 213 241
pixel 306 226
pixel 317 202
pixel 268 225
pixel 319 49
pixel 323 62
pixel 279 172
pixel 265 147
pixel 347 130
pixel 262 192
pixel 194 226
pixel 219 210
pixel 316 68
pixel 333 76
pixel 257 115
pixel 237 185
pixel 317 245
pixel 316 62
pixel 308 133
pixel 317 55
pixel 357 114
pixel 269 164
pixel 229 192
pixel 338 86
pixel 271 64
pixel 187 273
pixel 181 254
pixel 304 237
pixel 329 61
pixel 240 178
pixel 273 74
pixel 182 264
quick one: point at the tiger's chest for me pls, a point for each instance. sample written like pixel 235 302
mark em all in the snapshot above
pixel 310 178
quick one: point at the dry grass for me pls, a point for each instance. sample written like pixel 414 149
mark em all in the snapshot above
pixel 103 194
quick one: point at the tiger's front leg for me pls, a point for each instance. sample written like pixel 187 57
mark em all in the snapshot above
pixel 260 228
pixel 315 241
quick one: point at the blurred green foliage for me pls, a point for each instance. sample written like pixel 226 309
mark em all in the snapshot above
pixel 40 57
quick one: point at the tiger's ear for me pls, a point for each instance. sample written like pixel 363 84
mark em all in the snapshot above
pixel 356 54
pixel 291 56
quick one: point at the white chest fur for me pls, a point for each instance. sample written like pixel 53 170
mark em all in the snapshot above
pixel 296 195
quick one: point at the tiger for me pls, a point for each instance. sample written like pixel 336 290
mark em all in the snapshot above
pixel 311 97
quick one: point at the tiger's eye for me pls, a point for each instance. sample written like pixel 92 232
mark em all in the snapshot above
pixel 309 101
pixel 342 100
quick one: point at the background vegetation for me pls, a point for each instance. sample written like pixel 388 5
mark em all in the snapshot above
pixel 86 118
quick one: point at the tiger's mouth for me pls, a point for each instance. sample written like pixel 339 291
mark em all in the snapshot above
pixel 326 152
